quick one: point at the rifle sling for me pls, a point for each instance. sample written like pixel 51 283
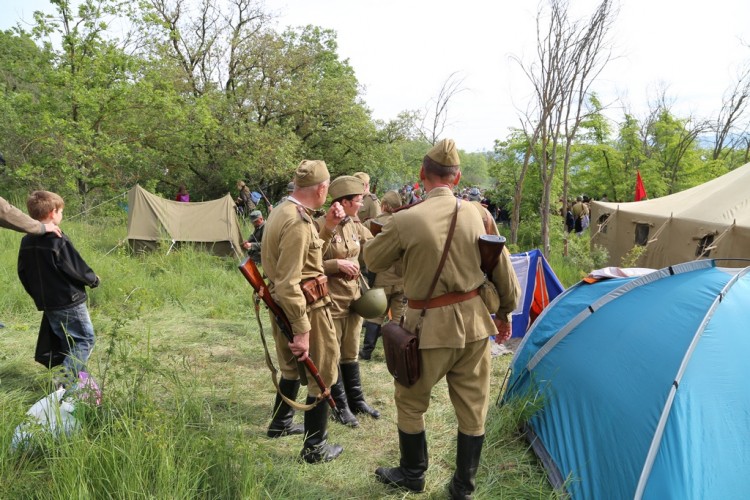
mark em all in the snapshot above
pixel 272 368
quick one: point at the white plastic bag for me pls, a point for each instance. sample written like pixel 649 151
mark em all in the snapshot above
pixel 52 414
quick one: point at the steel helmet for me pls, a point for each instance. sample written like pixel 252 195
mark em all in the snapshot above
pixel 371 304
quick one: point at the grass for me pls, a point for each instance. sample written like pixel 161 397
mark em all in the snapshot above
pixel 187 396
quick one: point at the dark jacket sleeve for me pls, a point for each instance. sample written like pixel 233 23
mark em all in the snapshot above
pixel 74 267
pixel 22 274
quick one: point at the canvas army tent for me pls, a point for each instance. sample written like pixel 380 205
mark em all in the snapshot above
pixel 709 221
pixel 210 224
pixel 642 385
pixel 539 286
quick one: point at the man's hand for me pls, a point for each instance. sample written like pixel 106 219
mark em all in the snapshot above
pixel 504 330
pixel 246 245
pixel 349 268
pixel 51 227
pixel 301 345
pixel 334 216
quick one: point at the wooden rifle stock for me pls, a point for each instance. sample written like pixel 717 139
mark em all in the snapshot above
pixel 375 227
pixel 251 273
pixel 490 248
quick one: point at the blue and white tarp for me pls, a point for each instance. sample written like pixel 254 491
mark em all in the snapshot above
pixel 539 286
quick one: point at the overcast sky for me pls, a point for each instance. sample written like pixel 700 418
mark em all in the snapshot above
pixel 403 51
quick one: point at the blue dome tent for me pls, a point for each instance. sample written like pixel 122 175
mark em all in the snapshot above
pixel 641 384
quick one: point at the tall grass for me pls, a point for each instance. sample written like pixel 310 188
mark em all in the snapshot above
pixel 187 396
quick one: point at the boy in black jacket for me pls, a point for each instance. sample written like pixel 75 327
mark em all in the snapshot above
pixel 55 275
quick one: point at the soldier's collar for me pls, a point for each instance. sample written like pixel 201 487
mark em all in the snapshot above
pixel 439 191
pixel 309 210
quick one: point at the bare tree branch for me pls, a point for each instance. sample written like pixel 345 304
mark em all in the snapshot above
pixel 436 112
pixel 732 110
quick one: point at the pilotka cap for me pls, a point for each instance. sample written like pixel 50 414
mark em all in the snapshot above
pixel 310 173
pixel 363 175
pixel 392 198
pixel 444 153
pixel 344 186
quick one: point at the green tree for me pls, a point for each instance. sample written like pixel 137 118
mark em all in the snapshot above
pixel 24 67
pixel 84 96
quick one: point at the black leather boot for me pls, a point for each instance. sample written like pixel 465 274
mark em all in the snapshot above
pixel 410 473
pixel 372 333
pixel 339 396
pixel 353 386
pixel 468 452
pixel 316 448
pixel 282 424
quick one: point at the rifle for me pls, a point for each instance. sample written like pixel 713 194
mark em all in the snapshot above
pixel 490 248
pixel 268 203
pixel 251 273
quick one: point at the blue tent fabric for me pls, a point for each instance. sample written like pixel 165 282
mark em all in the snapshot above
pixel 642 385
pixel 534 274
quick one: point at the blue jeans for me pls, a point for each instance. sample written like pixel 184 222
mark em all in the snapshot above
pixel 73 326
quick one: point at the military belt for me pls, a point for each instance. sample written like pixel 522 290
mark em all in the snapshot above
pixel 443 300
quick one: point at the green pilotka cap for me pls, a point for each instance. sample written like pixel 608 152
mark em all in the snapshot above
pixel 345 185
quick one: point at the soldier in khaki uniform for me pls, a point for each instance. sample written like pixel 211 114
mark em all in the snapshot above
pixel 341 265
pixel 292 253
pixel 454 334
pixel 370 204
pixel 391 281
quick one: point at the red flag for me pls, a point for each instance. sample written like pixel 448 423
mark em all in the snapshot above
pixel 416 185
pixel 640 189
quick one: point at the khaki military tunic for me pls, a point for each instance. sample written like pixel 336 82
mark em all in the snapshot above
pixel 454 338
pixel 370 207
pixel 345 243
pixel 392 283
pixel 292 252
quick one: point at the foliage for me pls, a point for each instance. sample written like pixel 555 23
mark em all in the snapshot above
pixel 93 113
pixel 583 255
pixel 630 259
pixel 205 94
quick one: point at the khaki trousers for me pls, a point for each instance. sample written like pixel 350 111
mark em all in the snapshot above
pixel 348 329
pixel 467 372
pixel 324 351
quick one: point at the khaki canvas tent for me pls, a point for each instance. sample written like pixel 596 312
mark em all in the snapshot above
pixel 710 220
pixel 210 224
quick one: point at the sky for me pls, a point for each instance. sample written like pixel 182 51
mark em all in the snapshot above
pixel 403 51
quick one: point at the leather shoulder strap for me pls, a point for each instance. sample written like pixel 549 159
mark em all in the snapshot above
pixel 443 258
